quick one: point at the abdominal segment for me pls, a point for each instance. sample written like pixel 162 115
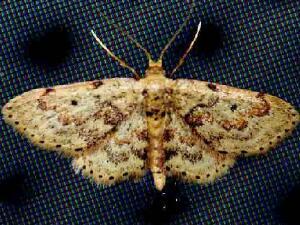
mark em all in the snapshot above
pixel 155 113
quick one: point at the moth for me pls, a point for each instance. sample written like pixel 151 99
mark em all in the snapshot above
pixel 118 129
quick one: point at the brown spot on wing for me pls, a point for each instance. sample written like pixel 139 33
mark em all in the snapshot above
pixel 198 119
pixel 74 102
pixel 238 124
pixel 93 141
pixel 145 93
pixel 64 119
pixel 188 140
pixel 97 83
pixel 260 95
pixel 168 135
pixel 140 153
pixel 212 87
pixel 78 149
pixel 47 91
pixel 233 107
pixel 42 104
pixel 261 109
pixel 142 135
pixel 170 153
pixel 192 157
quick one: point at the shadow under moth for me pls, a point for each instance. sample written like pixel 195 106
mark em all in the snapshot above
pixel 118 129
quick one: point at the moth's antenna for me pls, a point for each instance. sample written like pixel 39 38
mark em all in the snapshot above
pixel 176 33
pixel 122 62
pixel 124 32
pixel 187 50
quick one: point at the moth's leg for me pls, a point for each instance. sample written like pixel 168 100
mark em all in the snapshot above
pixel 187 51
pixel 122 62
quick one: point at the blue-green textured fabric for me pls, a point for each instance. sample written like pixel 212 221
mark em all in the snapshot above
pixel 259 51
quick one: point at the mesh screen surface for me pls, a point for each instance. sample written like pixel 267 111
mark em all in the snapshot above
pixel 253 45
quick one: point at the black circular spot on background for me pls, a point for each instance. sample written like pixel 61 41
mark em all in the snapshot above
pixel 288 209
pixel 12 189
pixel 208 41
pixel 51 48
pixel 164 206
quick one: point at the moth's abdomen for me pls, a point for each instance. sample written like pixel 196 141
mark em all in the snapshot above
pixel 155 113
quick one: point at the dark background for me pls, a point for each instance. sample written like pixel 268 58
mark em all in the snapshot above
pixel 245 44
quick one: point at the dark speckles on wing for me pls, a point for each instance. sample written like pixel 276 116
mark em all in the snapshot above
pixel 110 114
pixel 140 153
pixel 198 118
pixel 117 158
pixel 142 135
pixel 170 153
pixel 168 135
pixel 192 157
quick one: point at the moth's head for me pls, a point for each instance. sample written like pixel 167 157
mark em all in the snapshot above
pixel 155 69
